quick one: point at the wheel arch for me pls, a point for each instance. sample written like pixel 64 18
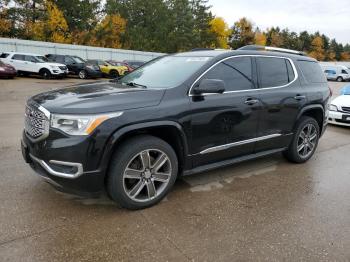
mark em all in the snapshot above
pixel 315 111
pixel 169 131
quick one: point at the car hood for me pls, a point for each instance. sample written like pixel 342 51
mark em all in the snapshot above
pixel 343 100
pixel 98 97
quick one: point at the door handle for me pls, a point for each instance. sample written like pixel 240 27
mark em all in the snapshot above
pixel 251 101
pixel 299 97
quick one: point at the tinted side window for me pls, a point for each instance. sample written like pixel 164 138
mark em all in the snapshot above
pixel 235 72
pixel 18 57
pixel 4 55
pixel 273 71
pixel 59 59
pixel 312 71
pixel 68 60
pixel 344 72
pixel 29 58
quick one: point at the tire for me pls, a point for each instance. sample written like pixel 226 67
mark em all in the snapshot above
pixel 45 73
pixel 82 74
pixel 304 142
pixel 114 74
pixel 134 185
pixel 340 79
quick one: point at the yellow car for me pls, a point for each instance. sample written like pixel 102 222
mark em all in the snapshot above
pixel 108 69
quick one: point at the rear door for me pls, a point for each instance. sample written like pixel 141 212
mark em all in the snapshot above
pixel 281 98
pixel 224 125
pixel 17 61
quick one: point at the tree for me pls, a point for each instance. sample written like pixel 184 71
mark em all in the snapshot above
pixel 259 38
pixel 317 50
pixel 5 23
pixel 81 15
pixel 108 32
pixel 56 27
pixel 242 33
pixel 221 31
pixel 345 56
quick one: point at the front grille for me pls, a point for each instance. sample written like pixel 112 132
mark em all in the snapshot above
pixel 346 109
pixel 63 68
pixel 36 123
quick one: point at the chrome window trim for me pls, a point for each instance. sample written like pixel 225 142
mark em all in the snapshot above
pixel 44 165
pixel 296 75
pixel 243 142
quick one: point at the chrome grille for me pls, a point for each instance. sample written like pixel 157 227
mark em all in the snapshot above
pixel 36 123
pixel 346 109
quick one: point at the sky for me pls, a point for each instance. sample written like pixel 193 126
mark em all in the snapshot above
pixel 331 18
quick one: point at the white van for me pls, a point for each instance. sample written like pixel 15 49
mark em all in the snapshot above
pixel 337 73
pixel 27 63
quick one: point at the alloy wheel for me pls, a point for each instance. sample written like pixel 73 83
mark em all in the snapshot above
pixel 147 175
pixel 307 140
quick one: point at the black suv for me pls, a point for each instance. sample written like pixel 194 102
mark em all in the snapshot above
pixel 77 66
pixel 178 115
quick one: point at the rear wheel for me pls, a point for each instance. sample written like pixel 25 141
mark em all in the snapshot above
pixel 305 140
pixel 142 172
pixel 45 73
pixel 340 79
pixel 114 74
pixel 82 74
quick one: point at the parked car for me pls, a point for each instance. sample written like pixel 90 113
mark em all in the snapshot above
pixel 28 63
pixel 339 109
pixel 133 64
pixel 77 66
pixel 7 71
pixel 118 63
pixel 177 115
pixel 108 69
pixel 337 73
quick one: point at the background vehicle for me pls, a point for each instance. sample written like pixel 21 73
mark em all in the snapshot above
pixel 28 63
pixel 177 115
pixel 339 109
pixel 77 66
pixel 133 64
pixel 337 73
pixel 7 71
pixel 108 69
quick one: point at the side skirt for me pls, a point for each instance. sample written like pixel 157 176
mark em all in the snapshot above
pixel 229 162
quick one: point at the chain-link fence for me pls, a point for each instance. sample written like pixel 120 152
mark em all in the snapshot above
pixel 86 52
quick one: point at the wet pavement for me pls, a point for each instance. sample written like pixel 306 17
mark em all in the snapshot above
pixel 261 210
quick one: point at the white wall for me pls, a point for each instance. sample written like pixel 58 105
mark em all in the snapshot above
pixel 86 52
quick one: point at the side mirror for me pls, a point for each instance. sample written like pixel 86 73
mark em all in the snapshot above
pixel 210 86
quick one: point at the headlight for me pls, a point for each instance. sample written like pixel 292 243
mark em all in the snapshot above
pixel 54 67
pixel 90 67
pixel 333 107
pixel 79 125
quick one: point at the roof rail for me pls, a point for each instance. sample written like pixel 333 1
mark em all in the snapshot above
pixel 271 48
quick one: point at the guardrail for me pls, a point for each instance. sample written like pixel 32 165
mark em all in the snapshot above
pixel 86 52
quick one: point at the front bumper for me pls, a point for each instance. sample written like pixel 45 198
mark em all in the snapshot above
pixel 339 118
pixel 65 176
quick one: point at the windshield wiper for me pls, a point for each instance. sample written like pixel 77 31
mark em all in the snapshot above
pixel 135 84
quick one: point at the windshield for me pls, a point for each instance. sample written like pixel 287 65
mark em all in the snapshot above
pixel 166 72
pixel 77 59
pixel 41 59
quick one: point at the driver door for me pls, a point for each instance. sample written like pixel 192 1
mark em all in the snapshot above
pixel 224 126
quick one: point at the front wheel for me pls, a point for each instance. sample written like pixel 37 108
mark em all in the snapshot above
pixel 142 172
pixel 340 79
pixel 45 73
pixel 305 140
pixel 82 74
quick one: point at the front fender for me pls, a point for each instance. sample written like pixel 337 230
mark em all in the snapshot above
pixel 118 135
